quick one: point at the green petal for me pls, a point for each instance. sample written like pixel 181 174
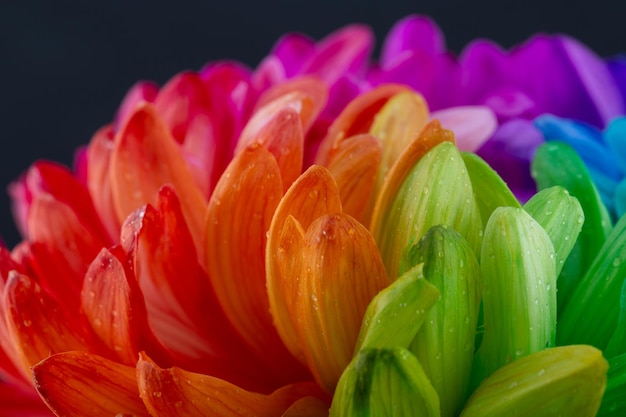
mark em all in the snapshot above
pixel 436 191
pixel 562 381
pixel 592 313
pixel 491 191
pixel 384 382
pixel 445 343
pixel 561 216
pixel 617 344
pixel 614 399
pixel 519 290
pixel 395 314
pixel 556 163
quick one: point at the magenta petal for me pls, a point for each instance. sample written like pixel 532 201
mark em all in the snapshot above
pixel 485 69
pixel 345 51
pixel 140 92
pixel 413 33
pixel 292 50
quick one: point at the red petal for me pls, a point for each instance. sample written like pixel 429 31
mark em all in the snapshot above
pixel 308 407
pixel 56 181
pixel 175 392
pixel 145 157
pixel 99 179
pixel 77 384
pixel 18 402
pixel 115 309
pixel 62 249
pixel 37 324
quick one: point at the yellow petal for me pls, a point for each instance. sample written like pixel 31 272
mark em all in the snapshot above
pixel 396 125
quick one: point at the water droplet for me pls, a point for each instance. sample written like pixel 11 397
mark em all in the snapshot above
pixel 27 323
pixel 617 261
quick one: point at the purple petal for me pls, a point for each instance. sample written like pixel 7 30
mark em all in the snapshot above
pixel 509 152
pixel 565 78
pixel 617 67
pixel 413 33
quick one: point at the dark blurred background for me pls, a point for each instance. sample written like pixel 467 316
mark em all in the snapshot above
pixel 65 65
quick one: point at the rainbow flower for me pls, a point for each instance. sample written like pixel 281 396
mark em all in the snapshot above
pixel 321 235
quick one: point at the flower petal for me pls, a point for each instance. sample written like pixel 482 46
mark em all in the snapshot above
pixel 354 164
pixel 99 179
pixel 339 257
pixel 62 248
pixel 176 392
pixel 143 91
pixel 344 51
pixel 412 33
pixel 472 125
pixel 396 125
pixel 293 50
pixel 239 214
pixel 77 384
pixel 18 402
pixel 115 309
pixel 38 326
pixel 312 195
pixel 145 157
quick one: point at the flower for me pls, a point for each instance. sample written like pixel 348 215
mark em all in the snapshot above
pixel 310 236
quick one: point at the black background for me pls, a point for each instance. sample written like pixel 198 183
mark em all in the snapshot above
pixel 65 65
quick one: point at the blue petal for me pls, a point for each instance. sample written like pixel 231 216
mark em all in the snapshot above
pixel 615 138
pixel 585 139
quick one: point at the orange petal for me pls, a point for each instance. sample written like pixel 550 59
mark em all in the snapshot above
pixel 340 257
pixel 301 102
pixel 116 311
pixel 145 157
pixel 37 324
pixel 311 86
pixel 63 248
pixel 99 180
pixel 356 118
pixel 312 195
pixel 355 164
pixel 432 135
pixel 77 384
pixel 175 392
pixel 239 214
pixel 308 407
pixel 396 125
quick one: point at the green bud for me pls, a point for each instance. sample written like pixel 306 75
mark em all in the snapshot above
pixel 519 290
pixel 561 381
pixel 614 399
pixel 395 314
pixel 444 345
pixel 591 315
pixel 437 190
pixel 561 216
pixel 384 382
pixel 557 163
pixel 491 191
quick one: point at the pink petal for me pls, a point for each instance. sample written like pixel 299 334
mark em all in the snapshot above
pixel 472 125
